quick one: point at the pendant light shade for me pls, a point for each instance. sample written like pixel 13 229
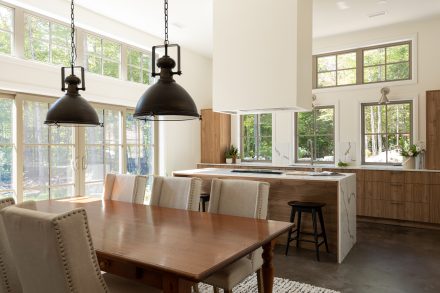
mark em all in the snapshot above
pixel 72 109
pixel 166 100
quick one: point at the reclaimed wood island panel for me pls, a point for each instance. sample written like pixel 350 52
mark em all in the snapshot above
pixel 337 192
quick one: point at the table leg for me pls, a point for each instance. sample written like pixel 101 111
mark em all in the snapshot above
pixel 268 269
pixel 174 284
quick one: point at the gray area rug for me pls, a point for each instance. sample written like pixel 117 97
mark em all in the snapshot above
pixel 280 286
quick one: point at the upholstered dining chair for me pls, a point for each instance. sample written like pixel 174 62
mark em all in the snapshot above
pixel 176 192
pixel 124 187
pixel 242 198
pixel 55 253
pixel 9 282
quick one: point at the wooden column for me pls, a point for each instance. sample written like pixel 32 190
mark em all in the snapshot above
pixel 432 159
pixel 216 136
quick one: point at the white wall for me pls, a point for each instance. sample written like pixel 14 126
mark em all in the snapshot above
pixel 180 142
pixel 347 100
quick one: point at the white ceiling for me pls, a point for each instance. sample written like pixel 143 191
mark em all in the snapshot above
pixel 191 20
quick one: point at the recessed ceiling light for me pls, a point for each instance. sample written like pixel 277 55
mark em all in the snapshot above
pixel 342 5
pixel 376 14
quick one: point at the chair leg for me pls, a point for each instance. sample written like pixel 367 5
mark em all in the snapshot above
pixel 298 229
pixel 321 222
pixel 315 233
pixel 216 290
pixel 260 281
pixel 289 235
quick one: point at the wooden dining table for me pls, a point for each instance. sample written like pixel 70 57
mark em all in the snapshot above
pixel 170 249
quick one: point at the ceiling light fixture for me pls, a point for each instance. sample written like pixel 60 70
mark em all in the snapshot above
pixel 166 100
pixel 384 98
pixel 72 109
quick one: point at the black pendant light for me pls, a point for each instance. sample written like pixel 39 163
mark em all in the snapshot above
pixel 166 100
pixel 72 109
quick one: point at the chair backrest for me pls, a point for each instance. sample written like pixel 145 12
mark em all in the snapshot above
pixel 176 192
pixel 242 198
pixel 9 282
pixel 124 187
pixel 53 252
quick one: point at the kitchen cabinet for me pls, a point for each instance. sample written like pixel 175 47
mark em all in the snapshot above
pixel 432 158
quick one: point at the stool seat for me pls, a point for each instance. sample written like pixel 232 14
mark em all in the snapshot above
pixel 305 204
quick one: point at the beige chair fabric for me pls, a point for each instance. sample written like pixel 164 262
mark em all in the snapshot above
pixel 242 198
pixel 176 192
pixel 123 187
pixel 9 282
pixel 54 252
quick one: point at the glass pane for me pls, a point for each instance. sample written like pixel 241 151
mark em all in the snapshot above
pixel 94 64
pixel 6 194
pixel 324 151
pixel 61 165
pixel 248 133
pixel 398 71
pixel 111 50
pixel 374 74
pixel 36 167
pixel 375 119
pixel 111 69
pixel 36 38
pixel 399 118
pixel 60 55
pixel 131 129
pixel 146 59
pixel 94 45
pixel 112 159
pixel 147 132
pixel 347 61
pixel 265 148
pixel 6 18
pixel 132 159
pixel 34 114
pixel 304 123
pixel 94 189
pixel 62 192
pixel 60 35
pixel 327 63
pixel 146 160
pixel 6 165
pixel 5 43
pixel 61 135
pixel 347 76
pixel 37 193
pixel 133 74
pixel 304 150
pixel 95 163
pixel 134 58
pixel 146 76
pixel 394 143
pixel 324 121
pixel 95 135
pixel 112 126
pixel 6 121
pixel 36 50
pixel 398 53
pixel 248 148
pixel 327 79
pixel 374 57
pixel 375 149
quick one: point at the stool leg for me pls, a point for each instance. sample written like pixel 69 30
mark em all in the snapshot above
pixel 315 233
pixel 289 235
pixel 298 229
pixel 321 221
pixel 203 206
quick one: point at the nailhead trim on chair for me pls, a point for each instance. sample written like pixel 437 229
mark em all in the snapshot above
pixel 56 222
pixel 8 202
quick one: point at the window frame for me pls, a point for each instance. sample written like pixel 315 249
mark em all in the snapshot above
pixel 141 68
pixel 12 32
pixel 257 138
pixel 51 21
pixel 314 137
pixel 363 134
pixel 101 56
pixel 360 64
pixel 12 144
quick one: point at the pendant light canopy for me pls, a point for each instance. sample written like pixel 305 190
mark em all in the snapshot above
pixel 72 109
pixel 166 100
pixel 384 98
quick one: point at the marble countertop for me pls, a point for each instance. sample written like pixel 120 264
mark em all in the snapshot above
pixel 284 176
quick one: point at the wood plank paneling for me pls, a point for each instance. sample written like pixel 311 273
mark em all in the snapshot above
pixel 432 130
pixel 434 204
pixel 215 136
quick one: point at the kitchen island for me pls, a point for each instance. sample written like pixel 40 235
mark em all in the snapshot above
pixel 338 192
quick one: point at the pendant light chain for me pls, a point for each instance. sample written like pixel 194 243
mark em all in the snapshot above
pixel 72 35
pixel 166 42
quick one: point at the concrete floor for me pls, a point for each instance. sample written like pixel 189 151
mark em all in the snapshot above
pixel 389 259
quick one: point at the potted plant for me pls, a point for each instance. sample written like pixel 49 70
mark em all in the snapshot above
pixel 409 152
pixel 228 157
pixel 238 159
pixel 233 151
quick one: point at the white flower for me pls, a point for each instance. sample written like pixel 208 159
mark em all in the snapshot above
pixel 418 149
pixel 410 153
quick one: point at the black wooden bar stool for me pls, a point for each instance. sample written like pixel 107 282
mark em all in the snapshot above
pixel 204 198
pixel 307 207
